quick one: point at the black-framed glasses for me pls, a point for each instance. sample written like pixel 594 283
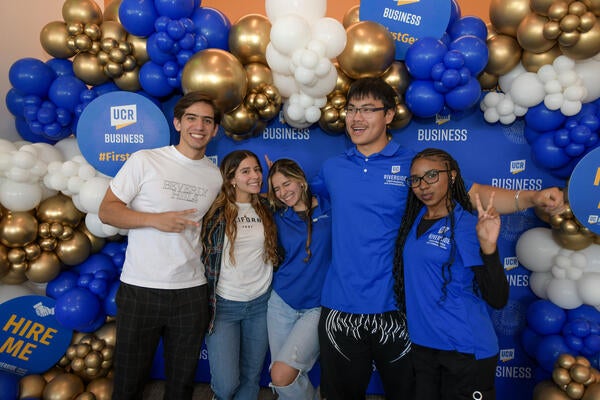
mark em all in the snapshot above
pixel 430 177
pixel 364 111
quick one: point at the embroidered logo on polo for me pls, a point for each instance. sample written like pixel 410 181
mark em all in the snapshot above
pixel 439 239
pixel 394 177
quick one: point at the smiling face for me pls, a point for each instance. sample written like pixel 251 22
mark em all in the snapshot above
pixel 196 128
pixel 368 130
pixel 288 191
pixel 247 179
pixel 433 195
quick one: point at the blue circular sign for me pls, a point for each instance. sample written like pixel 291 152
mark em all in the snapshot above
pixel 117 124
pixel 408 20
pixel 31 339
pixel 584 191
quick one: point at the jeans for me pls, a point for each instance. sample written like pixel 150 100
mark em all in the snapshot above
pixel 237 348
pixel 294 340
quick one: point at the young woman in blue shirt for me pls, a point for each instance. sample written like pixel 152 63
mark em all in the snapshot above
pixel 447 270
pixel 304 233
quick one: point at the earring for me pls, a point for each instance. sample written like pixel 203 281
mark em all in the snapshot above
pixel 234 185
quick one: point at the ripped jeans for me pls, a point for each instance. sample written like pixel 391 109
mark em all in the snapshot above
pixel 293 340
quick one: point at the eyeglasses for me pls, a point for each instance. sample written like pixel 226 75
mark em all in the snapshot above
pixel 364 111
pixel 430 177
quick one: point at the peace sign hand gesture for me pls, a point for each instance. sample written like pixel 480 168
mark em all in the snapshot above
pixel 488 225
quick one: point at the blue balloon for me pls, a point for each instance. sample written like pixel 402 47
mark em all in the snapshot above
pixel 549 348
pixel 468 25
pixel 422 55
pixel 592 344
pixel 455 13
pixel 545 317
pixel 585 312
pixel 546 154
pixel 99 287
pixel 561 137
pixel 110 305
pixel 153 80
pixel 31 76
pixel 422 99
pixel 464 97
pixel 565 171
pixel 174 9
pixel 213 25
pixel 154 50
pixel 24 130
pixel 95 324
pixel 65 91
pixel 9 386
pixel 97 262
pixel 14 102
pixel 530 340
pixel 474 50
pixel 138 16
pixel 64 282
pixel 77 308
pixel 575 343
pixel 542 119
pixel 61 66
pixel 105 88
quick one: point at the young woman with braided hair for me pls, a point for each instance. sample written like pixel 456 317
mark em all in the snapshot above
pixel 447 270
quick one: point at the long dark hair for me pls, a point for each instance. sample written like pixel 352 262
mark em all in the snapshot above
pixel 290 169
pixel 226 201
pixel 456 193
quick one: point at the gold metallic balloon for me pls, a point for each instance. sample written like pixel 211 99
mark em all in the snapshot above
pixel 86 396
pixel 557 10
pixel 576 241
pixel 343 81
pixel 587 21
pixel 102 388
pixel 4 263
pixel 139 48
pixel 593 6
pixel 84 11
pixel 63 387
pixel 219 74
pixel 504 54
pixel 44 268
pixel 577 8
pixel 16 275
pixel 17 255
pixel 48 244
pixel 52 373
pixel 332 115
pixel 240 121
pixel 583 361
pixel 111 11
pixel 575 390
pixel 530 34
pixel 249 37
pixel 565 360
pixel 552 30
pixel 532 62
pixel 351 16
pixel 108 332
pixel 569 23
pixel 74 251
pixel 402 117
pixel 587 46
pixel 18 229
pixel 59 208
pixel 592 392
pixel 547 390
pixel 32 251
pixel 31 386
pixel 257 74
pixel 369 51
pixel 580 373
pixel 53 38
pixel 506 15
pixel 113 30
pixel 488 81
pixel 561 376
pixel 542 6
pixel 129 81
pixel 397 77
pixel 87 68
pixel 96 242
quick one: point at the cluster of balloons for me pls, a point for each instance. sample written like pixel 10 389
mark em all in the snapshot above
pixel 445 71
pixel 552 331
pixel 567 278
pixel 573 377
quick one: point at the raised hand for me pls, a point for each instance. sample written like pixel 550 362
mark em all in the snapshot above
pixel 175 221
pixel 488 225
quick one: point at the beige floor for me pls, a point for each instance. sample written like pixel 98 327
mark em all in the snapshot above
pixel 155 389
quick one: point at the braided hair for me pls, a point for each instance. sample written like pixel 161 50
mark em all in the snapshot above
pixel 456 193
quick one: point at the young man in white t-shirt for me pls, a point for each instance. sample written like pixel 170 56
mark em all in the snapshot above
pixel 161 195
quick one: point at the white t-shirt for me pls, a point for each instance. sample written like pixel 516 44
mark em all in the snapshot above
pixel 160 180
pixel 251 276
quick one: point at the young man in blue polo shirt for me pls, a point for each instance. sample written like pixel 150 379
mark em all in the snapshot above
pixel 360 322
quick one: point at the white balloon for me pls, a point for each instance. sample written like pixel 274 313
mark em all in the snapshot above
pixel 553 86
pixel 491 115
pixel 24 159
pixel 5 160
pixel 332 34
pixel 70 168
pixel 305 76
pixel 74 184
pixel 527 90
pixel 588 288
pixel 554 101
pixel 68 147
pixel 538 282
pixel 18 174
pixel 47 152
pixel 570 108
pixel 309 9
pixel 568 78
pixel 506 81
pixel 285 84
pixel 505 106
pixel 312 114
pixel 547 73
pixel 587 70
pixel 564 293
pixel 563 63
pixel 507 119
pixel 20 196
pixel 278 62
pixel 535 249
pixel 592 255
pixel 323 87
pixel 7 146
pixel 92 192
pixel 289 33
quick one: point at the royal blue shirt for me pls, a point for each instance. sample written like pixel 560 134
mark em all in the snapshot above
pixel 368 197
pixel 300 283
pixel 461 322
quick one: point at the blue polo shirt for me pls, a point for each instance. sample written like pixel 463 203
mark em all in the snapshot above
pixel 368 196
pixel 300 283
pixel 461 322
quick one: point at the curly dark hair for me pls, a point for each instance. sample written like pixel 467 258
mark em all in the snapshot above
pixel 456 193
